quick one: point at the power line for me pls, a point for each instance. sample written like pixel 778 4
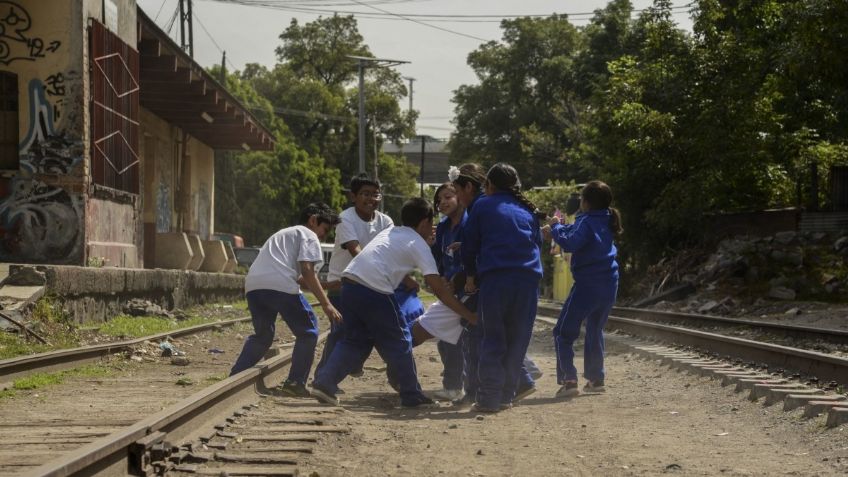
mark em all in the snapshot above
pixel 421 23
pixel 211 38
pixel 160 10
pixel 299 7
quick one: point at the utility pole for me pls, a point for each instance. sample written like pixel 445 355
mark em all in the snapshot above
pixel 422 163
pixel 363 63
pixel 411 80
pixel 186 19
pixel 361 116
pixel 224 69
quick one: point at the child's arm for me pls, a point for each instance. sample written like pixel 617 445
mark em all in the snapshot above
pixel 310 278
pixel 570 237
pixel 443 293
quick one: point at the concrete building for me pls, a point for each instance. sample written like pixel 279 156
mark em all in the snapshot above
pixel 436 156
pixel 107 133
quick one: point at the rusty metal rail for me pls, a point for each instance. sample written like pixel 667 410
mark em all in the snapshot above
pixel 128 451
pixel 14 368
pixel 811 363
pixel 827 335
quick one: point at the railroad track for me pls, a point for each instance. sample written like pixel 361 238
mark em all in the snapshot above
pixel 13 368
pixel 225 427
pixel 824 367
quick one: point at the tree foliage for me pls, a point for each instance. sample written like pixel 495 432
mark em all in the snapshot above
pixel 309 99
pixel 729 117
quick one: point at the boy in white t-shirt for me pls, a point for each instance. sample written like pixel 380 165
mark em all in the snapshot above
pixel 358 226
pixel 272 288
pixel 371 312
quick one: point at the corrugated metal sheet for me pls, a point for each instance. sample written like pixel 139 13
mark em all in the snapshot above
pixel 824 222
pixel 114 110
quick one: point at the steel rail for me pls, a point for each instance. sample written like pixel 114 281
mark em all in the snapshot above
pixel 13 368
pixel 185 420
pixel 829 335
pixel 820 365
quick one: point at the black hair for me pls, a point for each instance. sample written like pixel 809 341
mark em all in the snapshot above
pixel 471 173
pixel 598 196
pixel 504 177
pixel 572 205
pixel 362 180
pixel 439 190
pixel 414 211
pixel 324 212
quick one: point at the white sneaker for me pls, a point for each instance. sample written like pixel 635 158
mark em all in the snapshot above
pixel 449 394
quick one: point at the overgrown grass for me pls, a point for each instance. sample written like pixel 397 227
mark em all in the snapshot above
pixel 137 326
pixel 50 321
pixel 42 380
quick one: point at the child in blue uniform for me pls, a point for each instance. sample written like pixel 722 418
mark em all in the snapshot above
pixel 590 241
pixel 272 288
pixel 371 311
pixel 468 180
pixel 501 251
pixel 446 252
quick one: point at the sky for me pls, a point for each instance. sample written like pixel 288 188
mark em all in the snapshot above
pixel 437 58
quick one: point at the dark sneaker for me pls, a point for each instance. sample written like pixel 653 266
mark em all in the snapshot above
pixel 464 401
pixel 594 387
pixel 523 393
pixel 488 410
pixel 568 390
pixel 357 373
pixel 324 396
pixel 506 405
pixel 294 389
pixel 419 402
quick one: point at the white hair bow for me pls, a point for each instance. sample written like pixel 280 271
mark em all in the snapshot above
pixel 453 173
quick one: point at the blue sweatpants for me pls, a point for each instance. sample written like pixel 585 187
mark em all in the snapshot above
pixel 372 319
pixel 410 309
pixel 453 363
pixel 264 305
pixel 590 301
pixel 336 333
pixel 507 310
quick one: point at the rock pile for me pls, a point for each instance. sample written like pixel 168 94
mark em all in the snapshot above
pixel 785 267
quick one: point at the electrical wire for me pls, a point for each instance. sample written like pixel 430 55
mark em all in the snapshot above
pixel 454 32
pixel 160 10
pixel 305 7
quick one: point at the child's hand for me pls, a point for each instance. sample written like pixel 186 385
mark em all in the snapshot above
pixel 555 220
pixel 470 286
pixel 454 246
pixel 332 313
pixel 546 232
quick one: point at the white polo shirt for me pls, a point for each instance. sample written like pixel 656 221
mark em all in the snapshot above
pixel 389 257
pixel 351 228
pixel 277 266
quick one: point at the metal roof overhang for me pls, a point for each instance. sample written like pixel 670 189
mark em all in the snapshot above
pixel 181 92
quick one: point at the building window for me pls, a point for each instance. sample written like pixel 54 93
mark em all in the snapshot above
pixel 8 120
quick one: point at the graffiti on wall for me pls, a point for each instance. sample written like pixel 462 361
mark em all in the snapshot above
pixel 16 43
pixel 163 207
pixel 41 223
pixel 43 150
pixel 203 206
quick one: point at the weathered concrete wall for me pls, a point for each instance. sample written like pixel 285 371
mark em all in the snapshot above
pixel 41 204
pixel 177 191
pixel 43 197
pixel 96 294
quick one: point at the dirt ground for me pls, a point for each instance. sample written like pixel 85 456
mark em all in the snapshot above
pixel 652 420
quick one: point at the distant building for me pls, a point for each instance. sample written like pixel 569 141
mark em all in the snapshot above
pixel 436 156
pixel 107 133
